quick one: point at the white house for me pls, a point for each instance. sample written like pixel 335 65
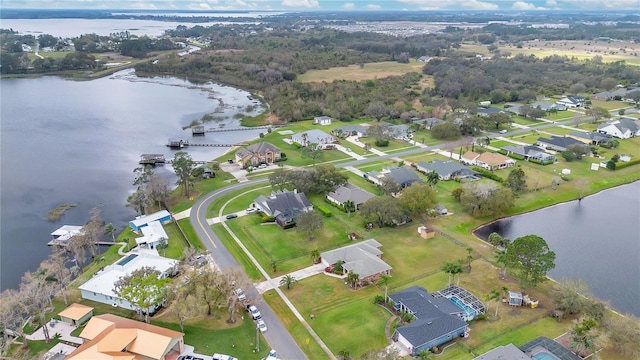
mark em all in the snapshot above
pixel 322 120
pixel 571 101
pixel 64 233
pixel 100 287
pixel 139 222
pixel 622 128
pixel 153 234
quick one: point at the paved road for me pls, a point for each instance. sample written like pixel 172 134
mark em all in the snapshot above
pixel 277 335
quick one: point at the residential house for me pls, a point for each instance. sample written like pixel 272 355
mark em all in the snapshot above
pixel 557 143
pixel 590 138
pixel 76 314
pixel 618 94
pixel 349 192
pixel 547 106
pixel 349 130
pixel 100 287
pixel 258 153
pixel 542 344
pixel 529 152
pixel 437 320
pixel 424 59
pixel 363 258
pixel 504 352
pixel 111 337
pixel 401 175
pixel 428 122
pixel 314 136
pixel 322 120
pixel 446 170
pixel 622 128
pixel 489 111
pixel 163 216
pixel 571 101
pixel 285 206
pixel 488 160
pixel 153 235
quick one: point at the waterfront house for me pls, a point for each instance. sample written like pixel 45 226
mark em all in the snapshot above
pixel 363 258
pixel 152 235
pixel 163 216
pixel 258 153
pixel 111 337
pixel 64 233
pixel 100 287
pixel 349 192
pixel 285 206
pixel 436 320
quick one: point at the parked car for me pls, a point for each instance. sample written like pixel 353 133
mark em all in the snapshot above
pixel 262 326
pixel 503 131
pixel 223 357
pixel 231 216
pixel 262 166
pixel 230 161
pixel 251 210
pixel 255 313
pixel 240 294
pixel 188 357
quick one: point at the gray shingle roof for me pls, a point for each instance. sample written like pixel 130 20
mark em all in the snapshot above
pixel 591 136
pixel 361 258
pixel 404 176
pixel 506 352
pixel 285 202
pixel 433 321
pixel 557 141
pixel 351 192
pixel 257 148
pixel 445 168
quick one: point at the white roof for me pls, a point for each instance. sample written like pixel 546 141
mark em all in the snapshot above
pixel 152 233
pixel 66 232
pixel 143 220
pixel 102 282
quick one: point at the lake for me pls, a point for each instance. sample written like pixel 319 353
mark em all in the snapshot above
pixel 596 240
pixel 78 142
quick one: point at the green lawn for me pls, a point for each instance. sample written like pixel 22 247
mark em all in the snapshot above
pixel 526 121
pixel 610 105
pixel 560 115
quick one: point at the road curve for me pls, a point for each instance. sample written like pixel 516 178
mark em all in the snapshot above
pixel 278 336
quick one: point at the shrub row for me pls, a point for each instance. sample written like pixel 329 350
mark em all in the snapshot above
pixel 324 210
pixel 335 205
pixel 488 174
pixel 516 156
pixel 539 162
pixel 622 165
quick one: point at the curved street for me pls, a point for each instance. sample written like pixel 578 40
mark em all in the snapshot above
pixel 278 336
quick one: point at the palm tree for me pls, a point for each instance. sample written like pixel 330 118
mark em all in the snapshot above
pixel 384 280
pixel 469 256
pixel 501 258
pixel 315 255
pixel 433 178
pixel 274 265
pixel 494 295
pixel 287 281
pixel 349 206
pixel 452 268
pixel 353 279
pixel 109 229
pixel 424 355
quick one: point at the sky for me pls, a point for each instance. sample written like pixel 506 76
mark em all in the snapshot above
pixel 325 5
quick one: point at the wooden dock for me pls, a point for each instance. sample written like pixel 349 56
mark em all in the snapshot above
pixel 197 130
pixel 211 130
pixel 57 242
pixel 152 159
pixel 177 144
pixel 183 144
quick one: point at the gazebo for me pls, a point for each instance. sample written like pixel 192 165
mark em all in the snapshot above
pixel 76 314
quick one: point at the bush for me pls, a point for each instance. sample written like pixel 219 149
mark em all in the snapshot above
pixel 568 155
pixel 481 317
pixel 325 211
pixel 378 299
pixel 503 152
pixel 516 156
pixel 623 165
pixel 266 218
pixel 283 155
pixel 382 143
pixel 488 174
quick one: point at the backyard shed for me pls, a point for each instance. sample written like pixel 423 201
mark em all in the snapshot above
pixel 76 314
pixel 426 232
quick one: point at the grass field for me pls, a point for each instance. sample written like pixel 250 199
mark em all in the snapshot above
pixel 369 71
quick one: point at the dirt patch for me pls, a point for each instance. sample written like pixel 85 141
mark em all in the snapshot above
pixel 566 341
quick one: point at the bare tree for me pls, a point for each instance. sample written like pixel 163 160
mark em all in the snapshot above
pixel 37 293
pixel 14 313
pixel 57 271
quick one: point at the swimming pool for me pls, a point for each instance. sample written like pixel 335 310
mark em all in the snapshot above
pixel 544 356
pixel 126 260
pixel 468 310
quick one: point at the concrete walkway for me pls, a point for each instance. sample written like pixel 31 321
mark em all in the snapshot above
pixel 56 327
pixel 356 141
pixel 298 275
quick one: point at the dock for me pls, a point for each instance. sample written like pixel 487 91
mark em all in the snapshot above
pixel 177 144
pixel 183 143
pixel 152 159
pixel 63 235
pixel 197 130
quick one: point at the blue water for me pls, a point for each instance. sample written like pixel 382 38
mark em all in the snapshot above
pixel 468 311
pixel 544 356
pixel 126 260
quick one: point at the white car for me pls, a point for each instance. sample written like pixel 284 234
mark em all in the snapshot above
pixel 223 357
pixel 503 131
pixel 240 294
pixel 262 326
pixel 251 210
pixel 255 313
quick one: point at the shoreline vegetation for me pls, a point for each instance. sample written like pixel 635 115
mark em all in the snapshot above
pixel 57 213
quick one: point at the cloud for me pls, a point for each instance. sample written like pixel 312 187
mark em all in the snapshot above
pixel 598 4
pixel 451 4
pixel 301 3
pixel 552 3
pixel 349 6
pixel 521 5
pixel 373 6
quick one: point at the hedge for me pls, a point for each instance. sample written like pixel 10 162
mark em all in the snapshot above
pixel 503 152
pixel 535 161
pixel 324 210
pixel 488 174
pixel 622 165
pixel 516 156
